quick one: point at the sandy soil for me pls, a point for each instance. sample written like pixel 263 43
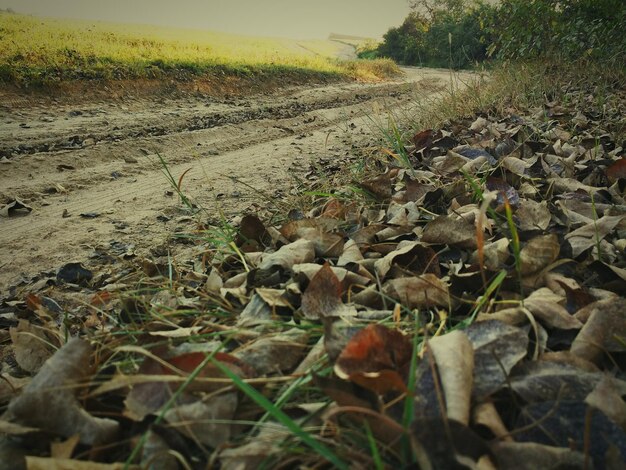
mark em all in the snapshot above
pixel 98 158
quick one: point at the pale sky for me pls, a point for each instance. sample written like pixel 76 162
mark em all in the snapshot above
pixel 300 19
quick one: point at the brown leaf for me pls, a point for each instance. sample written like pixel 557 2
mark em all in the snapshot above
pixel 147 397
pixel 545 306
pixel 322 297
pixel 47 463
pixel 410 258
pixel 616 171
pixel 379 186
pixel 446 230
pixel 539 253
pixel 49 401
pixel 251 229
pixel 207 421
pixel 300 251
pixel 585 237
pixel 497 348
pixel 422 291
pixel 454 356
pixel 533 215
pixel 607 398
pixel 376 358
pixel 604 331
pixel 31 346
pixel 318 231
pixel 276 354
pixel 532 456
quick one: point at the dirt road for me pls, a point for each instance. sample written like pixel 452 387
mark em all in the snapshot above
pixel 93 178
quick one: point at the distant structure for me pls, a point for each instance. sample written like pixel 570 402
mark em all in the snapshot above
pixel 347 38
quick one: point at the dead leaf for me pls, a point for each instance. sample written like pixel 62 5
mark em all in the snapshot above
pixel 276 354
pixel 604 332
pixel 15 208
pixel 585 237
pixel 322 297
pixel 49 401
pixel 300 251
pixel 539 253
pixel 207 421
pixel 376 358
pixel 45 463
pixel 531 215
pixel 498 347
pixel 607 398
pixel 532 456
pixel 454 356
pixel 446 230
pixel 410 258
pixel 546 306
pixel 31 346
pixel 418 292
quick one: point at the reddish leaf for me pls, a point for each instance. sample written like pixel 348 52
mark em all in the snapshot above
pixel 100 299
pixel 616 171
pixel 33 302
pixel 423 139
pixel 376 358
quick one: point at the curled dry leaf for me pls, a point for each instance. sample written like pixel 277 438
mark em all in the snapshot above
pixel 497 348
pixel 14 208
pixel 376 358
pixel 351 254
pixel 533 215
pixel 419 292
pixel 454 356
pixel 208 421
pixel 585 237
pixel 495 255
pixel 148 397
pixel 539 253
pixel 546 307
pixel 46 463
pixel 607 398
pixel 276 354
pixel 31 346
pixel 604 332
pixel 322 297
pixel 49 401
pixel 446 230
pixel 300 251
pixel 531 456
pixel 410 257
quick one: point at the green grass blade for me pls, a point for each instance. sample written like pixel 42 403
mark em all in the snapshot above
pixel 282 418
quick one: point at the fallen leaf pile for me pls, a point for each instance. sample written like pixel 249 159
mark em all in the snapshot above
pixel 465 309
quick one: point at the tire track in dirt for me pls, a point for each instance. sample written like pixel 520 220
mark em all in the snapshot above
pixel 133 206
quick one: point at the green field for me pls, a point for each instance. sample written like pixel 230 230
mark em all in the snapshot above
pixel 42 51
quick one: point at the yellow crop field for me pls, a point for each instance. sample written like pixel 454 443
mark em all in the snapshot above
pixel 39 51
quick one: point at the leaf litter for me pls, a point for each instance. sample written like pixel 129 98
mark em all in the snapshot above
pixel 464 310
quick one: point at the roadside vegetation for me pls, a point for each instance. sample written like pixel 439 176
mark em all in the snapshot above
pixel 465 34
pixel 38 51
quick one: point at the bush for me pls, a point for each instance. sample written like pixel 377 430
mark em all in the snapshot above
pixel 460 33
pixel 449 34
pixel 559 29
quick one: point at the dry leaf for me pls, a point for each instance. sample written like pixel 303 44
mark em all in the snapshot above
pixel 446 230
pixel 418 292
pixel 454 356
pixel 49 401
